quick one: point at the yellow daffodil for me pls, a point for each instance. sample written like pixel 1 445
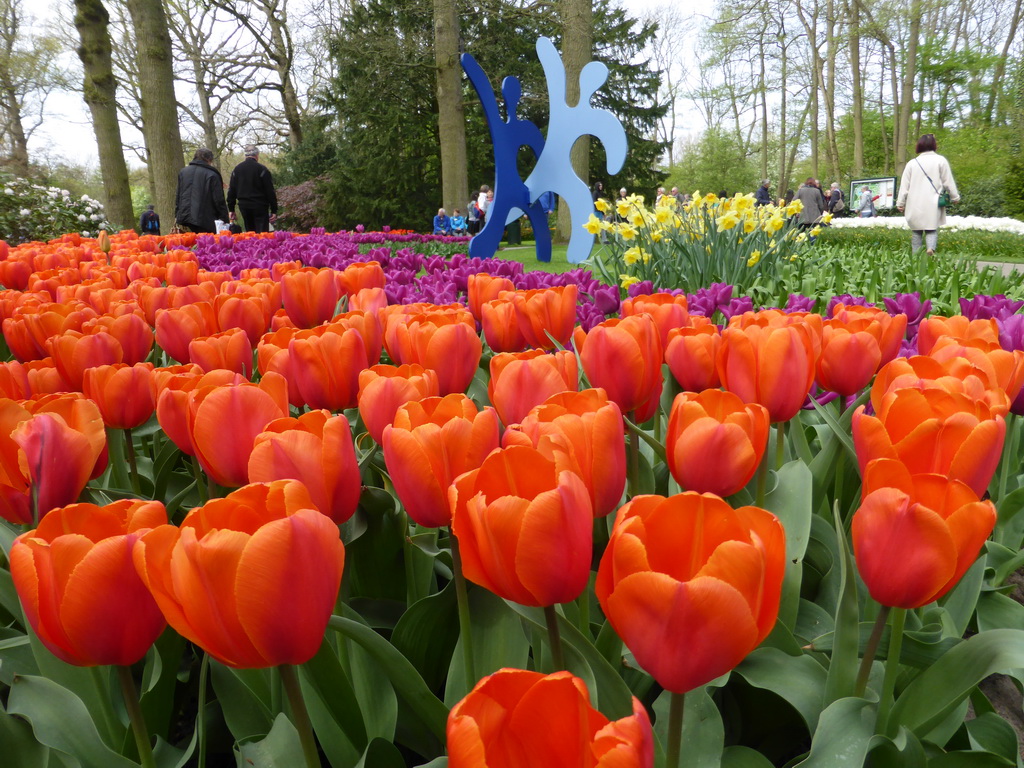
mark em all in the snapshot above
pixel 662 214
pixel 802 237
pixel 774 224
pixel 727 221
pixel 631 256
pixel 657 236
pixel 623 207
pixel 749 225
pixel 816 231
pixel 755 257
pixel 628 231
pixel 628 280
pixel 602 205
pixel 637 219
pixel 608 226
pixel 826 218
pixel 794 208
pixel 593 225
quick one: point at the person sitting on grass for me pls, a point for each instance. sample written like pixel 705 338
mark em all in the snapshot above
pixel 442 223
pixel 458 223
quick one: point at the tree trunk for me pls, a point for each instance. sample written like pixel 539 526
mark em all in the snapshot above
pixel 15 129
pixel 997 76
pixel 91 21
pixel 284 55
pixel 159 107
pixel 830 87
pixel 451 120
pixel 764 108
pixel 784 72
pixel 907 94
pixel 858 90
pixel 577 49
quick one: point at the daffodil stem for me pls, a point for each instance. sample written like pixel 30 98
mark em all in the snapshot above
pixel 462 598
pixel 138 721
pixel 554 638
pixel 634 458
pixel 869 653
pixel 197 473
pixel 892 668
pixel 300 715
pixel 133 467
pixel 677 708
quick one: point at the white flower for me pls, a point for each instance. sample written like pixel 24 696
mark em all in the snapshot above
pixel 956 223
pixel 95 217
pixel 25 212
pixel 85 234
pixel 8 191
pixel 82 217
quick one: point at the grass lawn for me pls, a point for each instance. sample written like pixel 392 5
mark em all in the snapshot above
pixel 975 243
pixel 527 256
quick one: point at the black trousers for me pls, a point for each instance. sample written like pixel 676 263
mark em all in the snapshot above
pixel 256 219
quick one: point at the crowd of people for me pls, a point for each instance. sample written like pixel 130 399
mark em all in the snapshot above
pixel 200 204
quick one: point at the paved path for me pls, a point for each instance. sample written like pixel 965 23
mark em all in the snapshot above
pixel 1008 267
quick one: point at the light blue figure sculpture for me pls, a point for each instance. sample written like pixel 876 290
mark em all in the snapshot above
pixel 512 197
pixel 554 171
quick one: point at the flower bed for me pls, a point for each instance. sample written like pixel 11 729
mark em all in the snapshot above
pixel 311 506
pixel 953 223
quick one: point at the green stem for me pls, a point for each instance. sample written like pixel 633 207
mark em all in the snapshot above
pixel 892 668
pixel 116 460
pixel 204 671
pixel 1009 451
pixel 634 459
pixel 677 708
pixel 462 598
pixel 840 473
pixel 411 592
pixel 584 609
pixel 554 637
pixel 780 444
pixel 869 653
pixel 110 724
pixel 762 481
pixel 133 468
pixel 197 473
pixel 300 716
pixel 131 704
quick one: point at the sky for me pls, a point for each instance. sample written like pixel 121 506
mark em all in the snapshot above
pixel 67 131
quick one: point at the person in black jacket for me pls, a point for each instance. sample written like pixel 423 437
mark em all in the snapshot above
pixel 149 222
pixel 252 187
pixel 763 195
pixel 200 199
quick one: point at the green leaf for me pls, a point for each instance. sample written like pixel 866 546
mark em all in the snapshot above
pixel 961 602
pixel 20 748
pixel 744 757
pixel 374 563
pixel 498 641
pixel 440 762
pixel 333 707
pixel 703 730
pixel 279 749
pixel 842 670
pixel 991 733
pixel 999 611
pixel 244 698
pixel 159 680
pixel 403 675
pixel 790 501
pixel 969 760
pixel 842 738
pixel 427 633
pixel 940 688
pixel 799 680
pixel 843 435
pixel 381 754
pixel 61 721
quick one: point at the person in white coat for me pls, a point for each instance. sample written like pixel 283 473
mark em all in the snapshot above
pixel 924 179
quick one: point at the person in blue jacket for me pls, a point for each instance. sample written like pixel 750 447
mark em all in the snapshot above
pixel 442 223
pixel 763 195
pixel 458 223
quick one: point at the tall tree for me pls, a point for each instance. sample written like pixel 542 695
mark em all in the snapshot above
pixel 577 18
pixel 99 89
pixel 906 104
pixel 157 101
pixel 451 120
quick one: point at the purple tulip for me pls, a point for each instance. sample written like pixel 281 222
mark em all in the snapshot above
pixel 847 300
pixel 800 303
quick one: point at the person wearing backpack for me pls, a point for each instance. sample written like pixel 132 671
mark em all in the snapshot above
pixel 149 222
pixel 866 205
pixel 836 204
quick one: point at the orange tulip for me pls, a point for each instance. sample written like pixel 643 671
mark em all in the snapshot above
pixel 74 352
pixel 385 388
pixel 175 328
pixel 251 578
pixel 854 344
pixel 482 288
pixel 443 342
pixel 325 364
pixel 394 316
pixel 888 329
pixel 933 431
pixel 362 275
pixel 715 442
pixel 915 536
pixel 124 393
pixel 250 313
pixel 581 432
pixel 667 311
pixel 28 329
pixel 229 350
pixel 522 380
pixel 272 356
pixel 310 296
pixel 500 324
pixel 978 380
pixel 982 333
pixel 317 449
pixel 129 328
pixel 691 585
pixel 430 443
pixel 368 300
pixel 1003 369
pixel 77 584
pixel 623 357
pixel 224 422
pixel 692 355
pixel 369 327
pixel 546 315
pixel 524 528
pixel 517 718
pixel 55 445
pixel 773 366
pixel 171 393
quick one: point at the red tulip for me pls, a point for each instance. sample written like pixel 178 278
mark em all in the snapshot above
pixel 251 578
pixel 691 585
pixel 524 528
pixel 77 584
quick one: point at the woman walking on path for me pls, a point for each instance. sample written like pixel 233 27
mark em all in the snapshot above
pixel 925 178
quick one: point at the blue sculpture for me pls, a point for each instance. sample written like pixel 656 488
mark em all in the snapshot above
pixel 553 171
pixel 511 195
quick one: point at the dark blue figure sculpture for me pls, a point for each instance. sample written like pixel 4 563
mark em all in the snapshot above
pixel 512 197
